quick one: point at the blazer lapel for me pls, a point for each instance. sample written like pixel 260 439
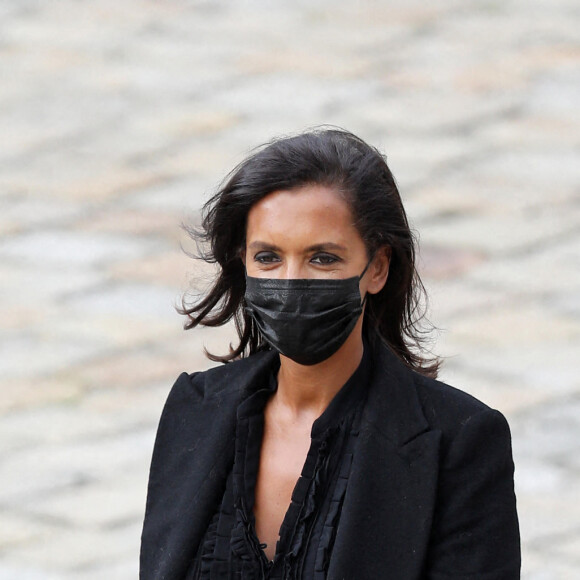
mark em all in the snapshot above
pixel 388 507
pixel 193 455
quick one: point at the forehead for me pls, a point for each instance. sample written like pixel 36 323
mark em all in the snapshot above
pixel 317 212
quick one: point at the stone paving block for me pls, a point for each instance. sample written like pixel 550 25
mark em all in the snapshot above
pixel 61 424
pixel 187 121
pixel 323 65
pixel 565 251
pixel 135 222
pixel 26 572
pixel 515 70
pixel 93 185
pixel 568 549
pixel 420 113
pixel 78 549
pixel 30 473
pixel 552 432
pixel 48 469
pixel 523 324
pixel 201 161
pixel 555 93
pixel 17 316
pixel 128 409
pixel 105 411
pixel 29 392
pixel 22 212
pixel 543 130
pixel 104 505
pixel 545 274
pixel 453 191
pixel 554 172
pixel 542 476
pixel 455 298
pixel 159 362
pixel 450 301
pixel 127 300
pixel 505 393
pixel 180 195
pixel 66 249
pixel 39 288
pixel 536 476
pixel 28 355
pixel 169 269
pixel 503 234
pixel 16 530
pixel 535 566
pixel 189 346
pixel 544 522
pixel 278 92
pixel 550 367
pixel 104 334
pixel 566 303
pixel 135 369
pixel 436 262
pixel 421 160
pixel 123 569
pixel 441 199
pixel 183 351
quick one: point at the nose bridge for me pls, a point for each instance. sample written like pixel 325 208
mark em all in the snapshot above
pixel 294 268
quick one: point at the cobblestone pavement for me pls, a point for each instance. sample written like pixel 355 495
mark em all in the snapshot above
pixel 117 119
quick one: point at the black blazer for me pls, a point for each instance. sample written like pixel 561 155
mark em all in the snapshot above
pixel 430 493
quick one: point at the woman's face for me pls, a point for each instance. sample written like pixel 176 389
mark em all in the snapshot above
pixel 309 232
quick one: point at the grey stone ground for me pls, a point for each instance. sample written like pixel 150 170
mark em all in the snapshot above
pixel 117 118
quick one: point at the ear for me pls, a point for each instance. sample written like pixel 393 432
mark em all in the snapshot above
pixel 379 270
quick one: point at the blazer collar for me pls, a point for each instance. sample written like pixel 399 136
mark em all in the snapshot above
pixel 393 406
pixel 388 507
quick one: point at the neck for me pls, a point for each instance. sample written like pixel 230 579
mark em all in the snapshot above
pixel 306 391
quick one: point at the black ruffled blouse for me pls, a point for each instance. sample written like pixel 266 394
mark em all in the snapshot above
pixel 230 548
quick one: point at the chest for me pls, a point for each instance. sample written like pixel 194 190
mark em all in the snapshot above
pixel 282 457
pixel 283 499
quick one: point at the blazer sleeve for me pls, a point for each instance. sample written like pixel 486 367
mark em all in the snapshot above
pixel 475 528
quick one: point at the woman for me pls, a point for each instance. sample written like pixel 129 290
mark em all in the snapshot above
pixel 325 448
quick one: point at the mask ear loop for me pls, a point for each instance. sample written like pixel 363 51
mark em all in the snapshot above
pixel 361 277
pixel 365 270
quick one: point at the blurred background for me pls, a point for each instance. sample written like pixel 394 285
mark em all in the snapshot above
pixel 119 118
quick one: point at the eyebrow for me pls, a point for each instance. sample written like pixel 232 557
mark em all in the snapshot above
pixel 324 246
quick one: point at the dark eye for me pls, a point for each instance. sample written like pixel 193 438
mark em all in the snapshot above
pixel 325 259
pixel 266 257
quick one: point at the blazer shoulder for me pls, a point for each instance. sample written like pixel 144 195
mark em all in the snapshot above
pixel 404 403
pixel 449 408
pixel 228 379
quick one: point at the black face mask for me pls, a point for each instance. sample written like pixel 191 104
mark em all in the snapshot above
pixel 303 319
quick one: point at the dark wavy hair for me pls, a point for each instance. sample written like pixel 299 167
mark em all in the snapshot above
pixel 359 172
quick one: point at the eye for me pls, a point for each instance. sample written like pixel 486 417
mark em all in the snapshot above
pixel 266 257
pixel 324 259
